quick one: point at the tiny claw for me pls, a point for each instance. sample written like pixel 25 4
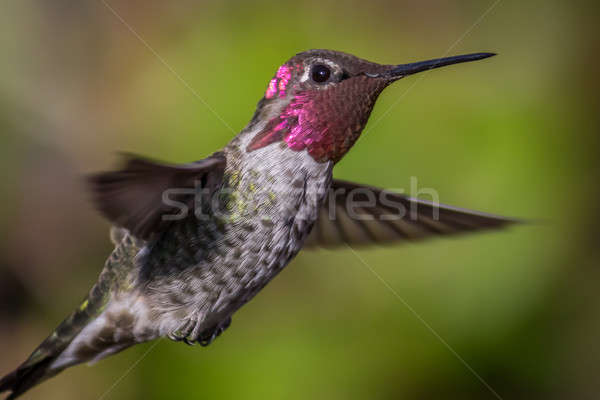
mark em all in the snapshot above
pixel 205 342
pixel 175 336
pixel 211 335
pixel 182 333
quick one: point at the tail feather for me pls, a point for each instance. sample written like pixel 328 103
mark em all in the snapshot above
pixel 37 367
pixel 71 343
pixel 25 377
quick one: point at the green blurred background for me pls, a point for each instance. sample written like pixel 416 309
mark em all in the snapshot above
pixel 515 135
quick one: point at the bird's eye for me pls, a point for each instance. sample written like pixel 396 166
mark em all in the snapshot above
pixel 320 73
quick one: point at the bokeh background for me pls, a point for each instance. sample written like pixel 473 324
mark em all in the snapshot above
pixel 515 135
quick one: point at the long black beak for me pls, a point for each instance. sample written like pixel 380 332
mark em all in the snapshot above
pixel 407 69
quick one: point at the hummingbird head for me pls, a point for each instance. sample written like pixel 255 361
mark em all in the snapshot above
pixel 320 100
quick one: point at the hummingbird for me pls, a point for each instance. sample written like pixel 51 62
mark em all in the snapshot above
pixel 194 242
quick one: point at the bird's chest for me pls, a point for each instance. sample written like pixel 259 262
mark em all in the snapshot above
pixel 270 211
pixel 256 223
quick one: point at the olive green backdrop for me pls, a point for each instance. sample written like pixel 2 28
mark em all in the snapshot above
pixel 517 134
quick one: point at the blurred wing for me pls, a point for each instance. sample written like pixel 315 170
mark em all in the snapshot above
pixel 132 197
pixel 356 214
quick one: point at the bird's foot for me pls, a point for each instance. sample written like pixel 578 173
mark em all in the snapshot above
pixel 185 331
pixel 189 332
pixel 207 336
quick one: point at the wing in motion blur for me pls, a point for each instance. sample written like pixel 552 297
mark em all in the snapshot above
pixel 357 214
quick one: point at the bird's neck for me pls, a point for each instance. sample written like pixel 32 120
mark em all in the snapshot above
pixel 276 177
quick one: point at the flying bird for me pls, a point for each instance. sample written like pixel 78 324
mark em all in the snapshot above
pixel 194 242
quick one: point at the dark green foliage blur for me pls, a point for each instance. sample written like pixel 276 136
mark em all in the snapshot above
pixel 516 135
